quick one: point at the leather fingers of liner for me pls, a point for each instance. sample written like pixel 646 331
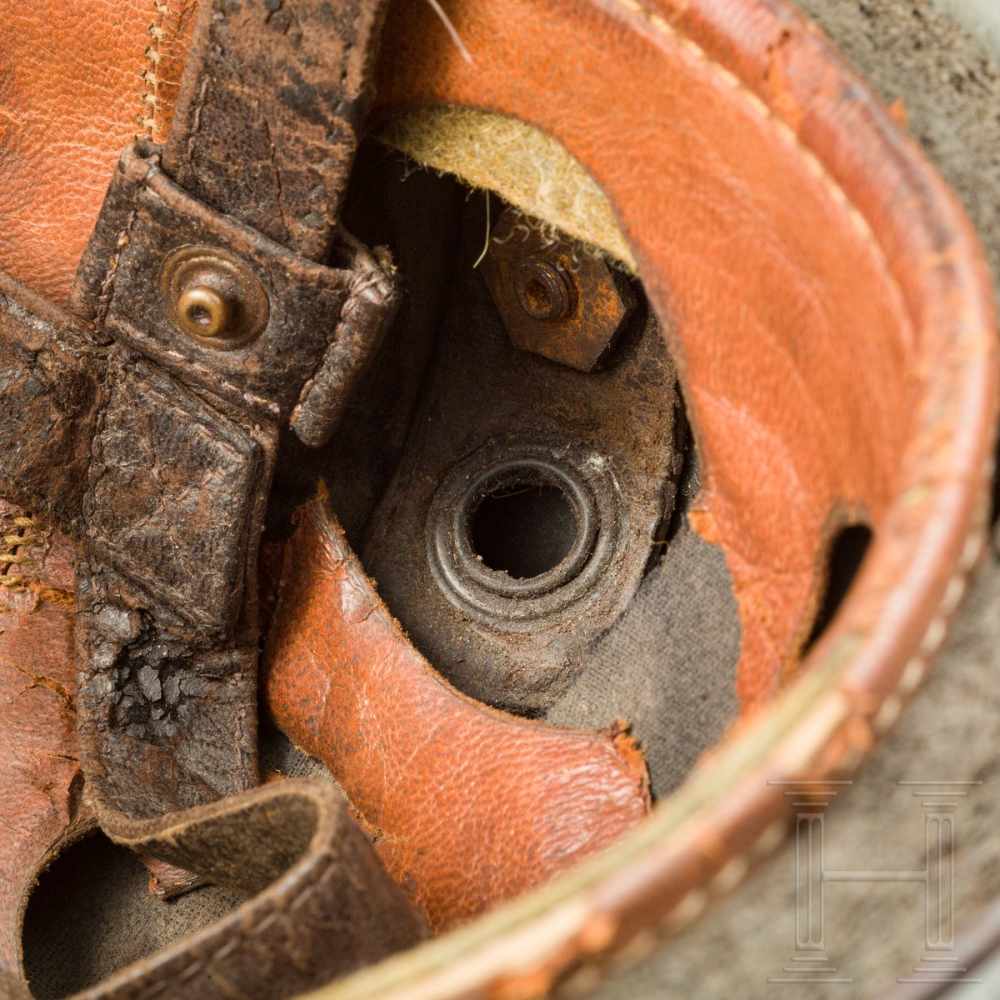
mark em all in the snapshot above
pixel 467 805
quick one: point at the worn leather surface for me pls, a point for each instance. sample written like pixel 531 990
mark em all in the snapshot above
pixel 789 505
pixel 468 806
pixel 721 198
pixel 184 443
pixel 78 82
pixel 40 777
pixel 266 125
pixel 48 405
pixel 292 844
pixel 753 141
pixel 324 902
pixel 320 902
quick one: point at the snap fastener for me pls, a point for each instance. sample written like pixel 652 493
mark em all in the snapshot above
pixel 213 297
pixel 203 312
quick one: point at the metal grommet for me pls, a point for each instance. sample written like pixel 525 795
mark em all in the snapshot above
pixel 516 472
pixel 213 297
pixel 588 489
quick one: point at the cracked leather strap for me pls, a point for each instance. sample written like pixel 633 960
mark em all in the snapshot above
pixel 184 444
pixel 269 112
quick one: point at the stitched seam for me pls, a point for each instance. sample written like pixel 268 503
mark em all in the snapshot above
pixel 106 293
pixel 146 119
pixel 693 903
pixel 812 162
pixel 15 549
pixel 196 119
pixel 152 348
pixel 789 136
pixel 592 969
pixel 937 629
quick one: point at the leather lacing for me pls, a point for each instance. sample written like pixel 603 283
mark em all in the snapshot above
pixel 19 533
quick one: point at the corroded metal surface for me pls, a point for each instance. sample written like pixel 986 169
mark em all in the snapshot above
pixel 556 298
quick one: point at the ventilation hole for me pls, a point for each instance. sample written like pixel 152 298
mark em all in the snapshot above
pixel 523 528
pixel 846 555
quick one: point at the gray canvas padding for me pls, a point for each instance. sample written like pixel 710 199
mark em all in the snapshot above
pixel 93 914
pixel 669 665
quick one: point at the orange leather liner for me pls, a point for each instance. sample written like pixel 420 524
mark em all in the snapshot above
pixel 78 82
pixel 714 184
pixel 791 334
pixel 469 806
pixel 828 306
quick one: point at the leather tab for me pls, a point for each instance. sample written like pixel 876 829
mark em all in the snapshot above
pixel 324 904
pixel 311 309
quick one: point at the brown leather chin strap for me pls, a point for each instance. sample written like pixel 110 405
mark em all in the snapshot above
pixel 186 433
pixel 156 425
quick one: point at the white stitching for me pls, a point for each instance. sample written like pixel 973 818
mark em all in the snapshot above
pixel 913 675
pixel 147 116
pixel 694 902
pixel 687 911
pixel 784 130
pixel 933 637
pixel 732 873
pixel 888 713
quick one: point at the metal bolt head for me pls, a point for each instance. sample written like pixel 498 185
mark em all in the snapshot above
pixel 213 297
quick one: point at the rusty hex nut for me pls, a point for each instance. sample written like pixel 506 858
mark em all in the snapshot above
pixel 212 296
pixel 555 298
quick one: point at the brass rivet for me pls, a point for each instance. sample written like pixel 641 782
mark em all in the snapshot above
pixel 213 296
pixel 203 311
